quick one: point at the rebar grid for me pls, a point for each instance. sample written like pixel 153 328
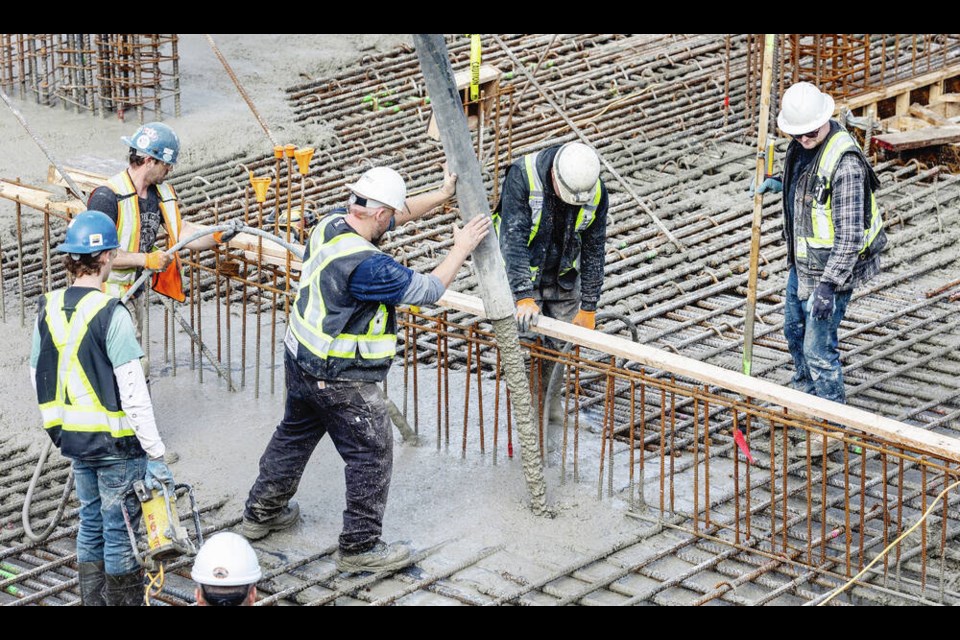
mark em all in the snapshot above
pixel 96 73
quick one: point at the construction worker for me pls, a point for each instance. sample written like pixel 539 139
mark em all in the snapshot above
pixel 834 234
pixel 552 224
pixel 85 366
pixel 139 201
pixel 226 571
pixel 339 345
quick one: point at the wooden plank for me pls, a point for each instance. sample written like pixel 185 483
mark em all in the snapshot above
pixel 796 401
pixel 925 113
pixel 920 138
pixel 40 199
pixel 903 103
pixel 86 180
pixel 936 90
pixel 903 86
pixel 273 253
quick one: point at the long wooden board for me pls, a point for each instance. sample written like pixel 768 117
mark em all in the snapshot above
pixel 919 138
pixel 40 199
pixel 887 428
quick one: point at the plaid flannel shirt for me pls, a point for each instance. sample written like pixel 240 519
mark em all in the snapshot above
pixel 844 268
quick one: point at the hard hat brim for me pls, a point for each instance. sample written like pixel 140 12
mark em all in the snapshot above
pixel 805 127
pixel 570 197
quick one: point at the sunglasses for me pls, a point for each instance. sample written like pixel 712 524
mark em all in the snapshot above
pixel 811 135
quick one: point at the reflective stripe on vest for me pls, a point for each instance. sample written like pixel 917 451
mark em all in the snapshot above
pixel 822 214
pixel 585 216
pixel 76 405
pixel 128 226
pixel 308 327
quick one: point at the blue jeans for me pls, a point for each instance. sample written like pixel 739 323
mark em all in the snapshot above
pixel 101 485
pixel 355 416
pixel 813 344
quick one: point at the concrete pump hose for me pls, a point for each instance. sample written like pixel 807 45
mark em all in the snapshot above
pixel 25 514
pixel 230 226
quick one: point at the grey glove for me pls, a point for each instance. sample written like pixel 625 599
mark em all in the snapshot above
pixel 823 301
pixel 773 185
pixel 158 474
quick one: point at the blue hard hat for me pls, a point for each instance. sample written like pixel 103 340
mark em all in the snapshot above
pixel 90 232
pixel 156 140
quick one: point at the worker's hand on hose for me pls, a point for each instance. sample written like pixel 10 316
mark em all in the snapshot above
pixel 823 301
pixel 449 188
pixel 472 234
pixel 773 185
pixel 223 237
pixel 586 319
pixel 527 313
pixel 157 260
pixel 158 473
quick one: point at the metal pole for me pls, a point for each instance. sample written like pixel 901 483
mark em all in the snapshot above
pixel 243 93
pixel 758 202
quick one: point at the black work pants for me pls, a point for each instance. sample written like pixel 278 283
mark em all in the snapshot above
pixel 355 416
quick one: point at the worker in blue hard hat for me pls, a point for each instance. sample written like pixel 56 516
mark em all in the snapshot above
pixel 85 367
pixel 139 201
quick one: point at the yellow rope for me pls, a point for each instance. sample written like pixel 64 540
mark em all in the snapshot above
pixel 154 585
pixel 890 546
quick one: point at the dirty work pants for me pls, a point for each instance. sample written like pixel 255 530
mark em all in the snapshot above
pixel 355 416
pixel 101 485
pixel 554 302
pixel 813 344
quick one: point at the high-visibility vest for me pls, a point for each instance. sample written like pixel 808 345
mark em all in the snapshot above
pixel 585 216
pixel 128 232
pixel 820 214
pixel 334 335
pixel 76 387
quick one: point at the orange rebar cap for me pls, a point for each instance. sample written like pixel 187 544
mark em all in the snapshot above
pixel 260 186
pixel 302 156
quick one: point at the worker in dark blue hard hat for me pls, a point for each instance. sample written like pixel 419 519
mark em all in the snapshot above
pixel 85 366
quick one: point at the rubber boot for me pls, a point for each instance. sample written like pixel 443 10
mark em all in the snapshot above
pixel 92 580
pixel 125 590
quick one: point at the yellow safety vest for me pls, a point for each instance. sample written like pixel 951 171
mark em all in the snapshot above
pixel 821 214
pixel 76 405
pixel 328 322
pixel 585 216
pixel 128 227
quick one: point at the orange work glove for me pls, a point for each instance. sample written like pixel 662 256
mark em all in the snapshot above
pixel 527 313
pixel 157 261
pixel 586 319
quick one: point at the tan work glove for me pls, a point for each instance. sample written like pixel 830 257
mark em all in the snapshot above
pixel 157 261
pixel 527 313
pixel 586 319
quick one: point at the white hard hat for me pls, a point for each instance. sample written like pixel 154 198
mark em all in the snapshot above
pixel 804 109
pixel 382 185
pixel 227 560
pixel 576 169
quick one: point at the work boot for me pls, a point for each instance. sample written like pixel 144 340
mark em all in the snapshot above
pixel 92 580
pixel 125 590
pixel 382 557
pixel 252 530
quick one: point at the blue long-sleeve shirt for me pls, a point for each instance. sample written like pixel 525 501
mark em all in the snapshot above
pixel 380 278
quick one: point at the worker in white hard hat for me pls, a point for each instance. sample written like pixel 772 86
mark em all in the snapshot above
pixel 340 343
pixel 552 224
pixel 834 234
pixel 226 571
